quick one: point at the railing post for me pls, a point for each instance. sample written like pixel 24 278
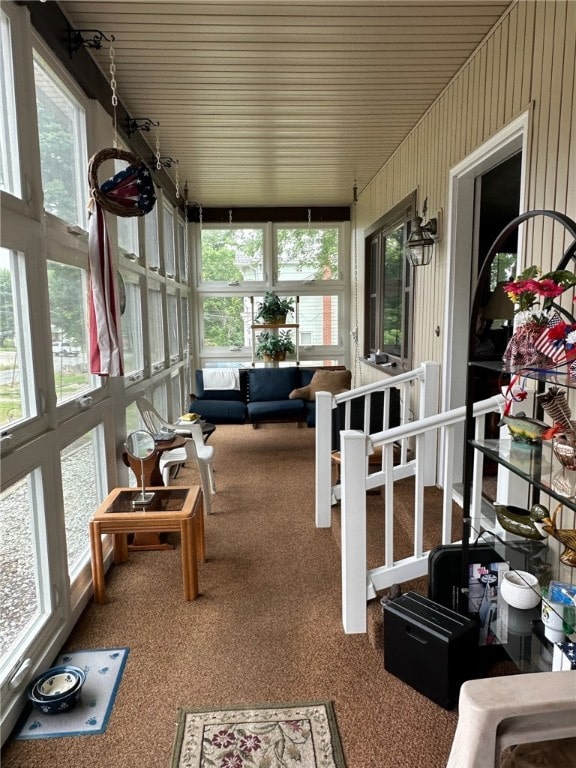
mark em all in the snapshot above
pixel 429 402
pixel 353 543
pixel 323 461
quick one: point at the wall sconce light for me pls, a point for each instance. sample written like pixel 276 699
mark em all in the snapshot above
pixel 420 244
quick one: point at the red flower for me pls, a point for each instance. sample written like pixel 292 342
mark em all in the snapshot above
pixel 547 287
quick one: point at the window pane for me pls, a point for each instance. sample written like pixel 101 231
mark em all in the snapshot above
pixel 156 325
pixel 132 327
pixel 127 225
pixel 182 252
pixel 226 321
pixel 83 465
pixel 178 401
pixel 307 253
pixel 21 562
pixel 63 154
pixel 232 255
pixel 318 320
pixel 67 291
pixel 9 150
pixel 151 240
pixel 17 399
pixel 168 238
pixel 173 345
pixel 392 316
pixel 184 323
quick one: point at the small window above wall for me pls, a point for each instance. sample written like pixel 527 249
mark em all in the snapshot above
pixel 389 287
pixel 232 255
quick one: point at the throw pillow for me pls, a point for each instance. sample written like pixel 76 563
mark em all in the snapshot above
pixel 334 382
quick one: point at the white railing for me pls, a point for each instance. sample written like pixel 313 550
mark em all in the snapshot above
pixel 426 377
pixel 358 583
pixel 408 450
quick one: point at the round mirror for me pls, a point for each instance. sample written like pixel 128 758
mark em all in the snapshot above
pixel 140 444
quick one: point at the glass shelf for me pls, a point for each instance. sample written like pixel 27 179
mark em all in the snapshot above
pixel 534 463
pixel 555 376
pixel 518 631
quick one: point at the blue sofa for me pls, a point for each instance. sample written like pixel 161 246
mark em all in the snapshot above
pixel 263 397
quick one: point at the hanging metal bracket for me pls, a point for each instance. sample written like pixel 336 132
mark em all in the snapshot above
pixel 165 161
pixel 134 124
pixel 76 39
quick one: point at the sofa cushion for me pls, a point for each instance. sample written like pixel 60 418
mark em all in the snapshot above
pixel 220 411
pixel 217 394
pixel 324 381
pixel 277 410
pixel 266 384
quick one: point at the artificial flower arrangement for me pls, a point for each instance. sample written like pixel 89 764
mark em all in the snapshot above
pixel 528 288
pixel 541 336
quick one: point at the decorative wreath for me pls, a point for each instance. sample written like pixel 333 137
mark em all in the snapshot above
pixel 130 192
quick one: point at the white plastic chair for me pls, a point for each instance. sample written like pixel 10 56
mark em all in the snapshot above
pixel 155 424
pixel 171 461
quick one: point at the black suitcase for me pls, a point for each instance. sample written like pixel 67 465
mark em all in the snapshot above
pixel 429 647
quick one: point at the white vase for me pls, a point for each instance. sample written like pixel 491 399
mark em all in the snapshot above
pixel 520 589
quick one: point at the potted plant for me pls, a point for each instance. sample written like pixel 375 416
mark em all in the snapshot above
pixel 274 347
pixel 273 310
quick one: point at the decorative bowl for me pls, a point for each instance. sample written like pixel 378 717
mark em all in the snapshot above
pixel 520 589
pixel 57 689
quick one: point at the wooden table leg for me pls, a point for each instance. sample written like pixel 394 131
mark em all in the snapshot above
pixel 198 522
pixel 189 561
pixel 97 564
pixel 120 548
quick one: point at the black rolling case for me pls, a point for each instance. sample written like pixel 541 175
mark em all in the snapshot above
pixel 429 647
pixel 445 570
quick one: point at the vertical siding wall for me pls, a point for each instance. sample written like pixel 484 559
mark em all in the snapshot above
pixel 527 62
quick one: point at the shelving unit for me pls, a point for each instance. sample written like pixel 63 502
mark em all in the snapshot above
pixel 519 632
pixel 257 327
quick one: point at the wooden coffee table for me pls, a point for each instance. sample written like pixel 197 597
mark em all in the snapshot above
pixel 174 508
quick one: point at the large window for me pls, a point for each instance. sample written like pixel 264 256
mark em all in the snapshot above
pixel 306 253
pixel 24 582
pixel 131 325
pixel 16 373
pixel 298 261
pixel 67 287
pixel 9 151
pixel 63 153
pixel 389 287
pixel 232 255
pixel 83 486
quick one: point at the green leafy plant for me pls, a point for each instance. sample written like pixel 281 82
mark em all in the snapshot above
pixel 273 309
pixel 273 345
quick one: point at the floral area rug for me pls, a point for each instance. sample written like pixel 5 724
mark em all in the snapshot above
pixel 259 736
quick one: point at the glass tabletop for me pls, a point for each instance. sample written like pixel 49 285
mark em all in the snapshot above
pixel 165 500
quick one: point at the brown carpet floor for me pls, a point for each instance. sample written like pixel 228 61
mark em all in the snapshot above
pixel 266 628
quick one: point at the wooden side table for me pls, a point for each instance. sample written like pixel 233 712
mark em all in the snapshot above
pixel 174 508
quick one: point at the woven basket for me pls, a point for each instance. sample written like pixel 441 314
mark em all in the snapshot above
pixel 112 153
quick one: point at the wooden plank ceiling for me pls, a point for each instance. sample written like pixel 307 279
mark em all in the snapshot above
pixel 282 103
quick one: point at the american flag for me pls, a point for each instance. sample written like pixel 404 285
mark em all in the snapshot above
pixel 132 187
pixel 551 341
pixel 103 315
